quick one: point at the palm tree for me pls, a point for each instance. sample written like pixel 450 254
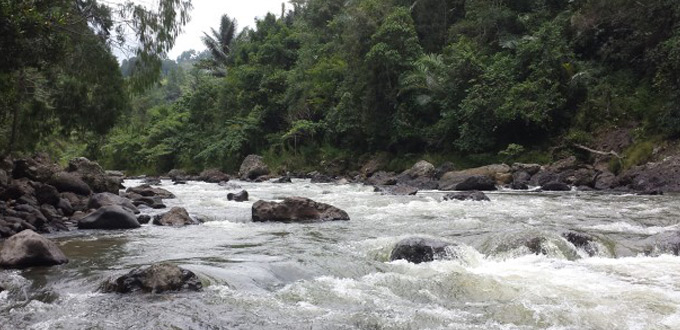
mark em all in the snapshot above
pixel 219 43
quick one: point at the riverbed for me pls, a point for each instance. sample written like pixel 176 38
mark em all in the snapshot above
pixel 337 275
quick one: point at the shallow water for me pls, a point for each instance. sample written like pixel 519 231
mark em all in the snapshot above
pixel 337 275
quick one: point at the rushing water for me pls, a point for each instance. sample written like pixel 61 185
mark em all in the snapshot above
pixel 337 275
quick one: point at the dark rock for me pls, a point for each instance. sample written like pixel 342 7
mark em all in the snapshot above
pixel 396 190
pixel 154 279
pixel 605 180
pixel 654 176
pixel 241 196
pixel 555 186
pixel 27 199
pixel 4 179
pixel 176 174
pixel 283 179
pixel 495 173
pixel 28 249
pixel 49 212
pixel 105 199
pixel 530 169
pixel 262 178
pixel 443 169
pixel 65 206
pixel 476 182
pixel 321 178
pixel 375 164
pixel 296 209
pixel 39 168
pixel 213 176
pixel 77 202
pixel 569 163
pixel 422 182
pixel 152 202
pixel 519 186
pixel 521 177
pixel 419 249
pixel 143 219
pixel 93 174
pixel 31 214
pixel 69 182
pixel 18 188
pixel 47 194
pixel 467 196
pixel 581 241
pixel 252 167
pixel 382 179
pixel 109 217
pixel 147 190
pixel 543 177
pixel 176 182
pixel 176 217
pixel 152 181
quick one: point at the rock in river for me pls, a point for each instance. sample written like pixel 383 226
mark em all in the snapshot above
pixel 241 196
pixel 109 217
pixel 467 196
pixel 177 216
pixel 296 209
pixel 156 278
pixel 419 249
pixel 252 167
pixel 28 249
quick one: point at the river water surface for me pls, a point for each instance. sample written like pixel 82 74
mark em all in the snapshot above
pixel 337 275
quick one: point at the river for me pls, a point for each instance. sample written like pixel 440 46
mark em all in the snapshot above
pixel 337 275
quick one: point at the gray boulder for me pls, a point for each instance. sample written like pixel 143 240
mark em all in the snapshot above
pixel 109 217
pixel 241 196
pixel 105 199
pixel 156 278
pixel 28 249
pixel 419 249
pixel 176 217
pixel 253 167
pixel 69 182
pixel 296 209
pixel 149 191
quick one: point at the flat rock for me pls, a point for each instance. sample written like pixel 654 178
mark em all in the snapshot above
pixel 296 209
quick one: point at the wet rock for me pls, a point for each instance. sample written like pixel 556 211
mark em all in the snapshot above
pixel 177 181
pixel 605 180
pixel 317 177
pixel 176 217
pixel 144 219
pixel 263 178
pixel 519 186
pixel 396 190
pixel 69 182
pixel 65 206
pixel 154 279
pixel 152 202
pixel 382 178
pixel 283 179
pixel 149 191
pixel 296 209
pixel 654 176
pixel 109 217
pixel 177 174
pixel 476 182
pixel 105 199
pixel 152 181
pixel 252 167
pixel 29 249
pixel 544 177
pixel 581 241
pixel 213 175
pixel 241 196
pixel 555 186
pixel 419 249
pixel 467 196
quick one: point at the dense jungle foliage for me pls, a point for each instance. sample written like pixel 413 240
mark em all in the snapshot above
pixel 337 79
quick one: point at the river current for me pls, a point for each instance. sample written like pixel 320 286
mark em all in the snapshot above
pixel 337 275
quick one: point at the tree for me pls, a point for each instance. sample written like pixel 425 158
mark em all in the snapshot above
pixel 219 43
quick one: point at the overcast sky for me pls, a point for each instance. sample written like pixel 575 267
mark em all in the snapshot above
pixel 207 13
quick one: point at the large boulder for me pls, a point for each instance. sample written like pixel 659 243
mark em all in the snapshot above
pixel 477 196
pixel 156 278
pixel 18 188
pixel 375 164
pixel 241 196
pixel 47 194
pixel 605 180
pixel 149 191
pixel 497 173
pixel 213 175
pixel 177 174
pixel 296 209
pixel 105 199
pixel 253 167
pixel 382 178
pixel 556 186
pixel 28 249
pixel 419 249
pixel 109 217
pixel 476 182
pixel 93 174
pixel 39 168
pixel 176 217
pixel 663 176
pixel 396 190
pixel 70 182
pixel 421 169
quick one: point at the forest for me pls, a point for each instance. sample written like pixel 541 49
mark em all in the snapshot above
pixel 335 81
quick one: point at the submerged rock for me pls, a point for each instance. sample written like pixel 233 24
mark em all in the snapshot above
pixel 177 216
pixel 109 217
pixel 28 249
pixel 156 278
pixel 556 186
pixel 241 196
pixel 467 196
pixel 396 190
pixel 296 209
pixel 283 179
pixel 419 249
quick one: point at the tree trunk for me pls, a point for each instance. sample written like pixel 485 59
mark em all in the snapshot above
pixel 16 109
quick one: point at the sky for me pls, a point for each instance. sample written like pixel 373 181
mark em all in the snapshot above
pixel 206 14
